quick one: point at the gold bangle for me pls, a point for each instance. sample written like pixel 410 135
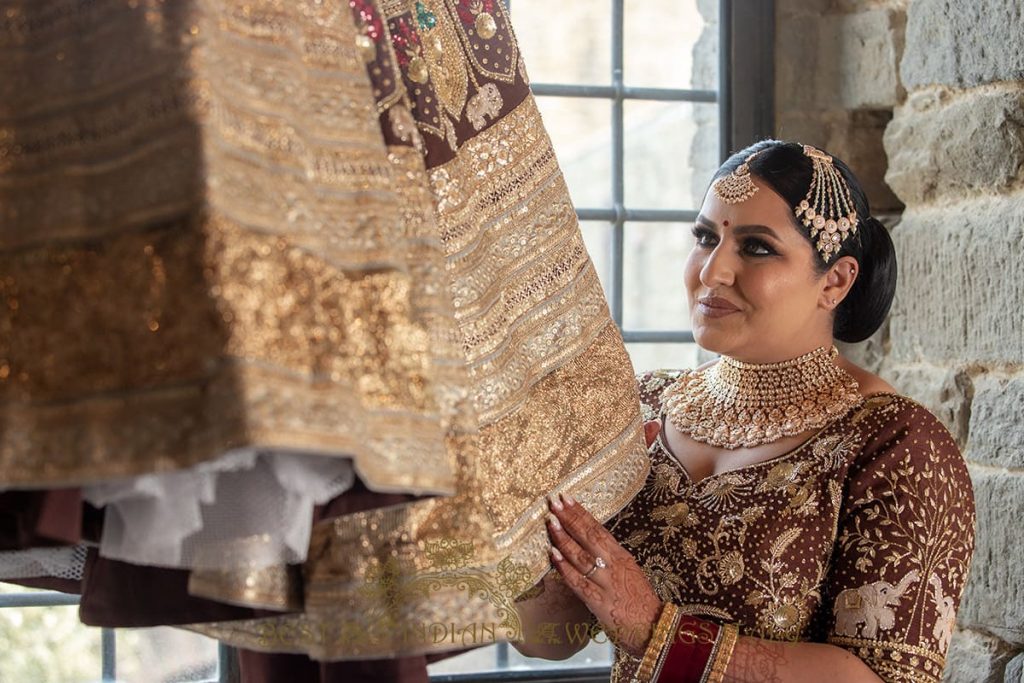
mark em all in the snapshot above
pixel 721 653
pixel 656 644
pixel 667 647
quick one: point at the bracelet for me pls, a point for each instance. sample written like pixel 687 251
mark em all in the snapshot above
pixel 692 648
pixel 656 645
pixel 663 655
pixel 721 654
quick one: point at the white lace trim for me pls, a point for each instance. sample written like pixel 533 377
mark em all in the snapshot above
pixel 65 562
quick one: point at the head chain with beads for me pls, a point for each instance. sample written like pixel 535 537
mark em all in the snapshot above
pixel 827 210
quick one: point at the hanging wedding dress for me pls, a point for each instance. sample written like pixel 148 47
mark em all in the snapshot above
pixel 258 258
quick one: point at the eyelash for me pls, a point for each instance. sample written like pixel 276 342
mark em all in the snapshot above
pixel 749 244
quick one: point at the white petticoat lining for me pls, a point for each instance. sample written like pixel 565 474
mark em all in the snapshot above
pixel 189 519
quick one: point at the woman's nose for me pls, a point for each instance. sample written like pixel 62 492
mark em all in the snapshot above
pixel 718 269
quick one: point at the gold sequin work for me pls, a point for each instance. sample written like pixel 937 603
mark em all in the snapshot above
pixel 860 537
pixel 322 226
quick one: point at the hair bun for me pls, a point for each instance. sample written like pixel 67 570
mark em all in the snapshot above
pixel 863 310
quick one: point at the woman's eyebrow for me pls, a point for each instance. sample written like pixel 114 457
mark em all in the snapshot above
pixel 740 230
pixel 755 230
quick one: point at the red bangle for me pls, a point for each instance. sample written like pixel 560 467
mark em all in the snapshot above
pixel 690 649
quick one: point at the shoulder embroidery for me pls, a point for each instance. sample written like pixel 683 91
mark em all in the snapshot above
pixel 869 609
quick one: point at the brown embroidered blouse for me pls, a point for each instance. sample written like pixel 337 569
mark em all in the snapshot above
pixel 861 537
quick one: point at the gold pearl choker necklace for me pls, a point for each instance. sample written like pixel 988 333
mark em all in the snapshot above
pixel 733 404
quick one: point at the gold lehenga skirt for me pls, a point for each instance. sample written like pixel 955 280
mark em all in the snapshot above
pixel 337 228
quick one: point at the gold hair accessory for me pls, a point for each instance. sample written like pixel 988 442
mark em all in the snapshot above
pixel 734 404
pixel 827 209
pixel 737 186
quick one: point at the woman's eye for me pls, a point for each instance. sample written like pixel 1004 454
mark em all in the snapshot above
pixel 758 248
pixel 704 237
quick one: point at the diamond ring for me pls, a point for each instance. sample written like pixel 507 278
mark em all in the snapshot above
pixel 598 564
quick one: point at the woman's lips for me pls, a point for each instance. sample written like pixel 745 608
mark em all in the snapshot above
pixel 715 307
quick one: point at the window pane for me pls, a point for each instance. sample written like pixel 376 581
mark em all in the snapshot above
pixel 581 132
pixel 598 238
pixel 671 152
pixel 652 278
pixel 670 43
pixel 46 644
pixel 165 654
pixel 565 42
pixel 662 356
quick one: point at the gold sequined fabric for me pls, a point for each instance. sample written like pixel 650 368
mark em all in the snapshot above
pixel 332 227
pixel 861 537
pixel 534 329
pixel 202 247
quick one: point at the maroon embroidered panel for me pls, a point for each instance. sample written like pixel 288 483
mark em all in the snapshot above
pixel 861 537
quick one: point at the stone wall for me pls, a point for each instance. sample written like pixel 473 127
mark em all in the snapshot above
pixel 925 100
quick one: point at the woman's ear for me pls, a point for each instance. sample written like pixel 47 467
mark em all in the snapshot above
pixel 838 281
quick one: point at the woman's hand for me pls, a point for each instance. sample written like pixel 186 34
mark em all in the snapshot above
pixel 618 593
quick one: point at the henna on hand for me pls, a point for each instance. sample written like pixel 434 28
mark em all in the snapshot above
pixel 619 594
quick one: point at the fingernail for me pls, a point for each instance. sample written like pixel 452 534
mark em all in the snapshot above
pixel 569 500
pixel 555 503
pixel 553 521
pixel 555 554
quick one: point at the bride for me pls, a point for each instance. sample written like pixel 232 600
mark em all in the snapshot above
pixel 801 517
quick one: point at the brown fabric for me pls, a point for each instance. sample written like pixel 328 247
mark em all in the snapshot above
pixel 261 667
pixel 120 594
pixel 861 537
pixel 40 518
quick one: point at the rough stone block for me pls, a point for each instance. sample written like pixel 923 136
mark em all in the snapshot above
pixel 942 145
pixel 996 429
pixel 838 61
pixel 797 63
pixel 976 658
pixel 959 295
pixel 1015 670
pixel 963 43
pixel 945 391
pixel 994 598
pixel 867 47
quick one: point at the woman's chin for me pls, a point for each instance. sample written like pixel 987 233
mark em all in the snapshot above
pixel 713 339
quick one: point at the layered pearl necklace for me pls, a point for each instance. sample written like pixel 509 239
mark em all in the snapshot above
pixel 734 404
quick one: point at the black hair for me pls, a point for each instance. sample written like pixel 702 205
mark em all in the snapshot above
pixel 785 168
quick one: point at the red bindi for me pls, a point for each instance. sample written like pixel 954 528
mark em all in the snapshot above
pixel 725 223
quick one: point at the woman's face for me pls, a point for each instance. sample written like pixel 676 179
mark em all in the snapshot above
pixel 753 290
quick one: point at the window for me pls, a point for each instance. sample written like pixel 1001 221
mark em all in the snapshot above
pixel 642 100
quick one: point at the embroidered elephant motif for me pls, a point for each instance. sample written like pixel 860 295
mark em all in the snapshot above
pixel 486 103
pixel 869 608
pixel 946 620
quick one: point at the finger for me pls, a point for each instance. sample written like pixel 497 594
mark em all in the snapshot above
pixel 580 559
pixel 586 530
pixel 585 589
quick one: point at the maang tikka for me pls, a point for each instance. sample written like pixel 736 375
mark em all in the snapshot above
pixel 827 210
pixel 737 186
